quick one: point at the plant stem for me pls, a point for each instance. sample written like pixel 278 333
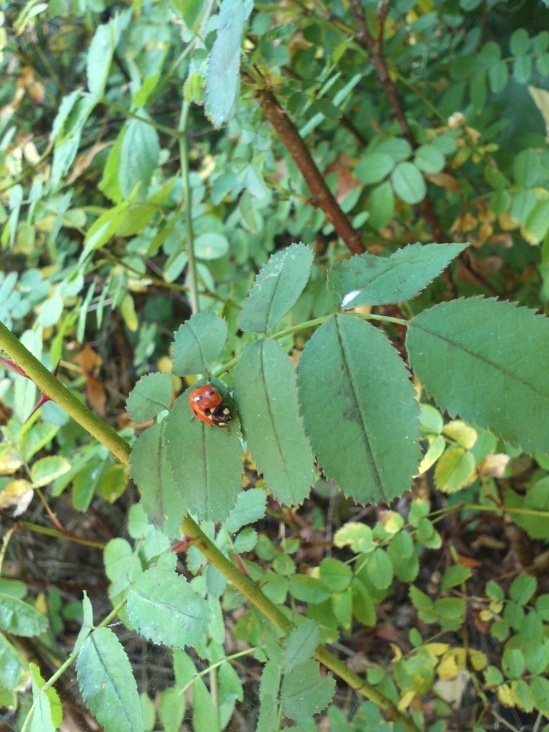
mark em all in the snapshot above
pixel 250 590
pixel 120 449
pixel 187 192
pixel 66 399
pixel 322 195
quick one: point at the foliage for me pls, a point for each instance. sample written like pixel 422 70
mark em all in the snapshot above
pixel 182 186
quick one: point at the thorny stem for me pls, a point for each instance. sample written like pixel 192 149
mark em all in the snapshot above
pixel 322 195
pixel 120 449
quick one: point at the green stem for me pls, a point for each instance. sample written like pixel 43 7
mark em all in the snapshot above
pixel 120 448
pixel 187 192
pixel 66 399
pixel 250 590
pixel 307 325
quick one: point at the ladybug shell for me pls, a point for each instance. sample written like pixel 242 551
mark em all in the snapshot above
pixel 207 405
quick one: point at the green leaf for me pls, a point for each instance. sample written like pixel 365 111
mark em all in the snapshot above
pixel 522 204
pixel 536 226
pixel 20 618
pixel 162 493
pixel 47 469
pixel 265 393
pixel 512 662
pixel 223 77
pixel 374 167
pixel 268 696
pixel 171 709
pixel 163 607
pixel 423 604
pixel 429 159
pixel 99 58
pixel 454 576
pixel 207 461
pixel 301 644
pixel 197 343
pixel 522 69
pixel 211 245
pixel 450 612
pixel 522 588
pixel 498 76
pixel 364 609
pixel 398 148
pixel 408 183
pixel 486 361
pixel 204 712
pixel 539 687
pixel 250 507
pixel 304 692
pixel 41 713
pixel 308 589
pixel 381 205
pixel 478 90
pixel 356 409
pixel 522 695
pixel 379 568
pixel 403 557
pixel 368 279
pixel 107 683
pixel 536 499
pixel 519 42
pixel 150 396
pixel 537 656
pixel 13 674
pixel 527 168
pixel 276 289
pixel 139 154
pixel 36 438
pixel 454 470
pixel 113 482
pixel 335 574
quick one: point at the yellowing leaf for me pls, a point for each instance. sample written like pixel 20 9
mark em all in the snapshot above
pixel 436 649
pixel 478 660
pixel 406 700
pixel 505 695
pixel 18 494
pixel 461 433
pixel 454 470
pixel 448 668
pixel 10 460
pixel 397 651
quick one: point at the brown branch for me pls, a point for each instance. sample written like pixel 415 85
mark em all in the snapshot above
pixel 322 196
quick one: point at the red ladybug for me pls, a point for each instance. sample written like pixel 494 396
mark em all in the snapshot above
pixel 207 404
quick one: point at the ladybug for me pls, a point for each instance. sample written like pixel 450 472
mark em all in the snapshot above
pixel 207 405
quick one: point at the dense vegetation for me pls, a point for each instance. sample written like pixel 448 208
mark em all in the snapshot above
pixel 337 215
